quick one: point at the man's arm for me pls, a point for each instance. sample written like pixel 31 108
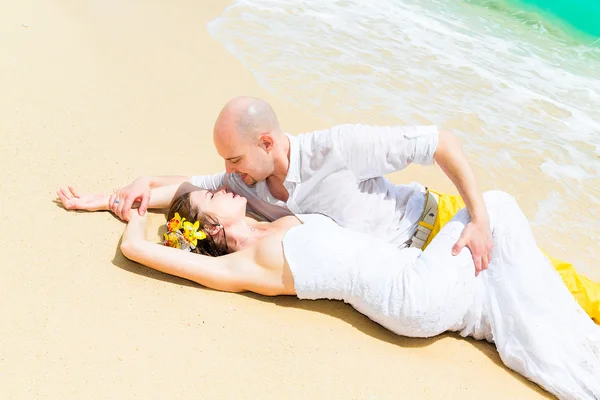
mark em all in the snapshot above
pixel 477 235
pixel 451 159
pixel 373 151
pixel 140 191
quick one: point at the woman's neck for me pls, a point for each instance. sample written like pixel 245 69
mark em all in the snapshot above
pixel 246 233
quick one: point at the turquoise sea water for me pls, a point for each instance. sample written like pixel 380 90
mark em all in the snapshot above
pixel 580 16
pixel 519 85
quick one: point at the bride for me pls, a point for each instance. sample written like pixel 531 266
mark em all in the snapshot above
pixel 519 303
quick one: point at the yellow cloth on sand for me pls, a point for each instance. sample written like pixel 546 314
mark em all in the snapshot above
pixel 585 291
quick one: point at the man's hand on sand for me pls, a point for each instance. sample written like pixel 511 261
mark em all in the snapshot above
pixel 71 199
pixel 137 191
pixel 477 236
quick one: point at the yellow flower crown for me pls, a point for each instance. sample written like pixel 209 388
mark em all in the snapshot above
pixel 183 234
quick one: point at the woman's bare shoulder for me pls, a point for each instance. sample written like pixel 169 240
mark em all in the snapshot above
pixel 263 265
pixel 287 222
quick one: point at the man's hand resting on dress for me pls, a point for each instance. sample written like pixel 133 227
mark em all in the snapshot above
pixel 477 236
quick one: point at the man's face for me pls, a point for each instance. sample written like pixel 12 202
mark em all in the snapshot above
pixel 251 160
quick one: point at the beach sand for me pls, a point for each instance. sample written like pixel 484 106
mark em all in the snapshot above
pixel 96 93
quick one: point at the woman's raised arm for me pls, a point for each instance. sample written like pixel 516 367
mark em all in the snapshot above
pixel 219 273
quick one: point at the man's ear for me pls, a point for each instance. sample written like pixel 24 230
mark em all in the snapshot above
pixel 266 142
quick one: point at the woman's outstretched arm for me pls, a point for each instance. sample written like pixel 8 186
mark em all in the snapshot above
pixel 73 200
pixel 219 273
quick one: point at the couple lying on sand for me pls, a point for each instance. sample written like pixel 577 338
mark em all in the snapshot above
pixel 312 216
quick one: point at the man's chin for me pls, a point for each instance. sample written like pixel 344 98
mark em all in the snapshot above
pixel 251 182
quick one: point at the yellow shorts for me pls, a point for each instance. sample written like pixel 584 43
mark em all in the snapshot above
pixel 585 291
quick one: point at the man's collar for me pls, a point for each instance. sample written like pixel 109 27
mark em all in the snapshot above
pixel 293 174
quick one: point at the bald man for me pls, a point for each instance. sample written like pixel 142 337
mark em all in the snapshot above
pixel 338 172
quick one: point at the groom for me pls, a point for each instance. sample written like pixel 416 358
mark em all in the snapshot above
pixel 282 175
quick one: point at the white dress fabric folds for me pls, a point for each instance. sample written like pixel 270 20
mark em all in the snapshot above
pixel 519 303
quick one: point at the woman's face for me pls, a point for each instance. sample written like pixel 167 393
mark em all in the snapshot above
pixel 221 204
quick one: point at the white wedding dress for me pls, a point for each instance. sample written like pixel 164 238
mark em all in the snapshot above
pixel 519 303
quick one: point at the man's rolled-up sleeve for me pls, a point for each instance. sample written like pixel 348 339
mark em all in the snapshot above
pixel 372 151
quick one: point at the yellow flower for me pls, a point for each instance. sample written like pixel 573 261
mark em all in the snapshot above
pixel 171 240
pixel 175 223
pixel 191 234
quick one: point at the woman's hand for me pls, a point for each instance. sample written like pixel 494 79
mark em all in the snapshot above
pixel 71 199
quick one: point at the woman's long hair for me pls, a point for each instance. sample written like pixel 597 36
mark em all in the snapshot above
pixel 212 245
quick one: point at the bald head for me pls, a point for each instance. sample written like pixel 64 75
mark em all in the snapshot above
pixel 247 136
pixel 247 118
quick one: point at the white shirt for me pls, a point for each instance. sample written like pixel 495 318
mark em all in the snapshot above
pixel 339 172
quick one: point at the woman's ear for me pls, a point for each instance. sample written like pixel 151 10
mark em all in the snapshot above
pixel 214 229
